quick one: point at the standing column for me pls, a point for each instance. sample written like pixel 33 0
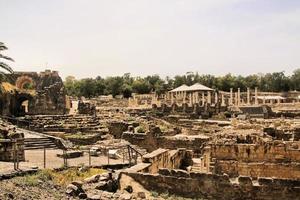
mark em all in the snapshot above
pixel 248 96
pixel 264 100
pixel 209 97
pixel 191 99
pixel 172 98
pixel 216 98
pixel 223 102
pixel 235 98
pixel 231 97
pixel 239 97
pixel 184 97
pixel 203 99
pixel 255 93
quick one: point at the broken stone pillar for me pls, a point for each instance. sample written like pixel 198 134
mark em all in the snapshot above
pixel 255 93
pixel 231 97
pixel 248 96
pixel 264 100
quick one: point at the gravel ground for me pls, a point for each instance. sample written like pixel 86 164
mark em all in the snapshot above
pixel 36 158
pixel 10 189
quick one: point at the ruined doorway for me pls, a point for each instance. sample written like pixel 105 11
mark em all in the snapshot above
pixel 22 105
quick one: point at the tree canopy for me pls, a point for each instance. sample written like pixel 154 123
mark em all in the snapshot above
pixel 3 65
pixel 126 84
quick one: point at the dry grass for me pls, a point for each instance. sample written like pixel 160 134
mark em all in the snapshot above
pixel 62 178
pixel 65 177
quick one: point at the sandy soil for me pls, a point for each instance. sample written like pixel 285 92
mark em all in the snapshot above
pixel 36 158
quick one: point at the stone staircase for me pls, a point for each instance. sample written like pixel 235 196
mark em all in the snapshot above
pixel 39 143
pixel 197 165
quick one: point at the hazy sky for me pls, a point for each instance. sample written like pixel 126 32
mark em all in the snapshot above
pixel 87 38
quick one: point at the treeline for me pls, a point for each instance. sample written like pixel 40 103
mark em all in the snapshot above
pixel 126 84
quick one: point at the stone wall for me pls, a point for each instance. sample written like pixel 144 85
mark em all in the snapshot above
pixel 116 128
pixel 276 151
pixel 151 141
pixel 163 158
pixel 258 169
pixel 44 92
pixel 8 150
pixel 212 186
pixel 272 159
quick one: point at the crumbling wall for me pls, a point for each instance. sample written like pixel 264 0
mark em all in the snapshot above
pixel 151 142
pixel 212 186
pixel 11 144
pixel 276 151
pixel 258 160
pixel 258 169
pixel 116 128
pixel 163 158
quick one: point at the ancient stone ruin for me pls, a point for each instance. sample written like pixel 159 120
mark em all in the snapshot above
pixel 188 143
pixel 33 93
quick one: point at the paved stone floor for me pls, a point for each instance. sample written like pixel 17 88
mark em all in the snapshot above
pixel 36 158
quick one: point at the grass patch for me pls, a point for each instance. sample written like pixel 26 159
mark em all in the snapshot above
pixel 65 177
pixel 62 178
pixel 33 180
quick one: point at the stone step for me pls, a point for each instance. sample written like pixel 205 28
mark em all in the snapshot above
pixel 39 143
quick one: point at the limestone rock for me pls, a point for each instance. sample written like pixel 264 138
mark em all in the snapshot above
pixel 125 196
pixel 92 179
pixel 72 190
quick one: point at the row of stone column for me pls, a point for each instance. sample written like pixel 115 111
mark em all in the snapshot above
pixel 236 99
pixel 196 97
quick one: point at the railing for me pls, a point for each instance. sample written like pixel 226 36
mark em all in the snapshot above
pixel 133 154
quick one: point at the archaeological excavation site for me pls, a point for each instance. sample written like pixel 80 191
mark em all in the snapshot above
pixel 149 99
pixel 190 142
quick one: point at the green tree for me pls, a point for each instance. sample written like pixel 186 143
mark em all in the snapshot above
pixel 295 80
pixel 3 65
pixel 141 86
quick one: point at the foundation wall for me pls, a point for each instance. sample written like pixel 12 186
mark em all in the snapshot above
pixel 151 142
pixel 8 150
pixel 269 152
pixel 279 170
pixel 211 186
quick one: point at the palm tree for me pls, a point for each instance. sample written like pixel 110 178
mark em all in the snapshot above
pixel 3 65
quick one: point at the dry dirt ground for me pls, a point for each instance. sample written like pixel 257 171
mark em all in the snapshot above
pixel 11 189
pixel 36 158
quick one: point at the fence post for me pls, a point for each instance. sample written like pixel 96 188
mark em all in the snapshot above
pixel 107 156
pixel 129 155
pixel 14 155
pixel 123 152
pixel 90 157
pixel 44 157
pixel 17 154
pixel 65 159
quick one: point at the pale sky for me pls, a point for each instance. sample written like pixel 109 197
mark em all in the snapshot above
pixel 86 38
